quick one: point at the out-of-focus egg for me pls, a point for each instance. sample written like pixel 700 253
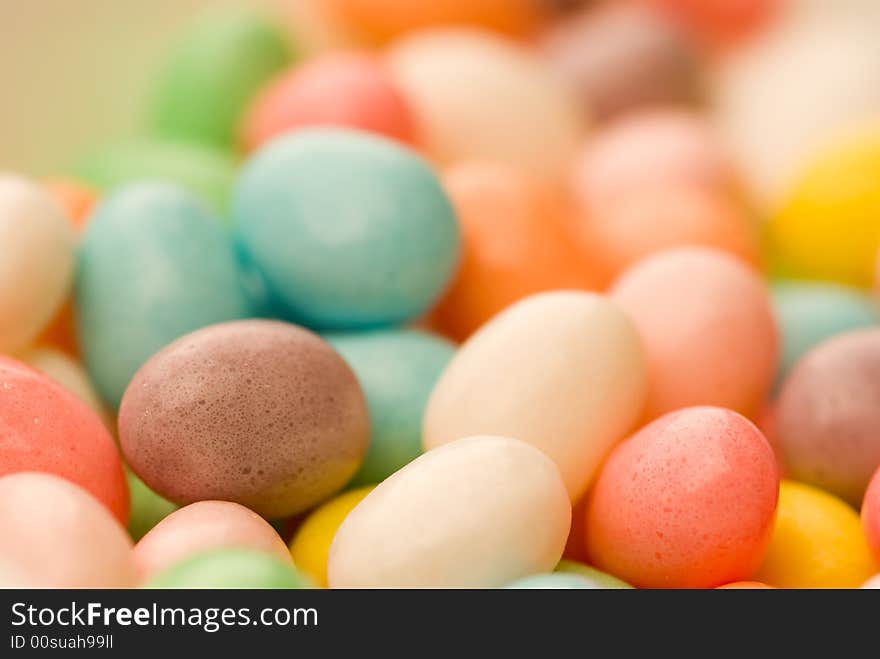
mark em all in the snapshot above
pixel 562 371
pixel 54 534
pixel 230 567
pixel 872 583
pixel 554 581
pixel 721 21
pixel 76 199
pixel 310 547
pixel 532 120
pixel 871 515
pixel 707 328
pixel 46 428
pixel 147 507
pixel 200 527
pixel 262 413
pixel 686 502
pixel 597 578
pixel 64 370
pixel 745 585
pixel 478 512
pixel 828 414
pixel 37 265
pixel 817 542
pixel 516 241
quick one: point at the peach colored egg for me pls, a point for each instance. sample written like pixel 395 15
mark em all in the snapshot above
pixel 350 89
pixel 516 242
pixel 562 371
pixel 828 414
pixel 37 264
pixel 54 534
pixel 477 512
pixel 871 515
pixel 707 329
pixel 477 96
pixel 687 502
pixel 745 585
pixel 652 148
pixel 634 226
pixel 202 526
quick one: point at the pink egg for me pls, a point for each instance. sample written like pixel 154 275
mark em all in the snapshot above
pixel 707 330
pixel 687 502
pixel 201 526
pixel 349 89
pixel 871 515
pixel 650 149
pixel 54 534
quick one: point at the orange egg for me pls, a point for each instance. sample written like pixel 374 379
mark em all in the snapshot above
pixel 745 585
pixel 657 218
pixel 515 243
pixel 871 515
pixel 689 501
pixel 76 199
pixel 381 20
pixel 721 21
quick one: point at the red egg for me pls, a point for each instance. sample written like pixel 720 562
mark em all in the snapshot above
pixel 340 89
pixel 45 428
pixel 871 515
pixel 687 502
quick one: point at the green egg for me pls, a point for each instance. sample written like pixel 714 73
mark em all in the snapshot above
pixel 554 581
pixel 597 577
pixel 229 568
pixel 205 171
pixel 212 74
pixel 147 507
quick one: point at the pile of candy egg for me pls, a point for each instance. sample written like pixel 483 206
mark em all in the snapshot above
pixel 488 294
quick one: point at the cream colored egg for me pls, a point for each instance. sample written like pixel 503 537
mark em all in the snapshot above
pixel 55 535
pixel 479 512
pixel 477 96
pixel 563 371
pixel 36 264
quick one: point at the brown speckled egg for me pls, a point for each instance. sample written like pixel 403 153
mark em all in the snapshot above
pixel 828 415
pixel 258 412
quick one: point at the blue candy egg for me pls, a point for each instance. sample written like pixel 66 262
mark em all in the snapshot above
pixel 153 265
pixel 553 580
pixel 348 230
pixel 810 312
pixel 397 370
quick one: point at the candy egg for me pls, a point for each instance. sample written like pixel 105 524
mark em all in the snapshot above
pixel 650 149
pixel 258 412
pixel 871 515
pixel 618 234
pixel 147 507
pixel 827 226
pixel 154 264
pixel 45 428
pixel 817 542
pixel 66 372
pixel 552 580
pixel 562 371
pixel 828 413
pixel 203 526
pixel 532 122
pixel 76 199
pixel 807 313
pixel 596 578
pixel 350 89
pixel 230 568
pixel 310 547
pixel 37 264
pixel 381 20
pixel 55 535
pixel 379 254
pixel 515 242
pixel 707 328
pixel 397 369
pixel 212 73
pixel 478 512
pixel 202 170
pixel 686 502
pixel 624 56
pixel 745 585
pixel 721 21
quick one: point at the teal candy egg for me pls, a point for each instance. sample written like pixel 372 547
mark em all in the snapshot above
pixel 810 312
pixel 596 577
pixel 553 580
pixel 153 265
pixel 348 230
pixel 397 370
pixel 229 568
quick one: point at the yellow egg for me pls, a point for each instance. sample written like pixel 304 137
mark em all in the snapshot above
pixel 311 544
pixel 829 226
pixel 817 542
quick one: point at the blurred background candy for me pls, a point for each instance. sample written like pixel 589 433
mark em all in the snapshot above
pixel 147 507
pixel 871 515
pixel 230 568
pixel 597 578
pixel 552 580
